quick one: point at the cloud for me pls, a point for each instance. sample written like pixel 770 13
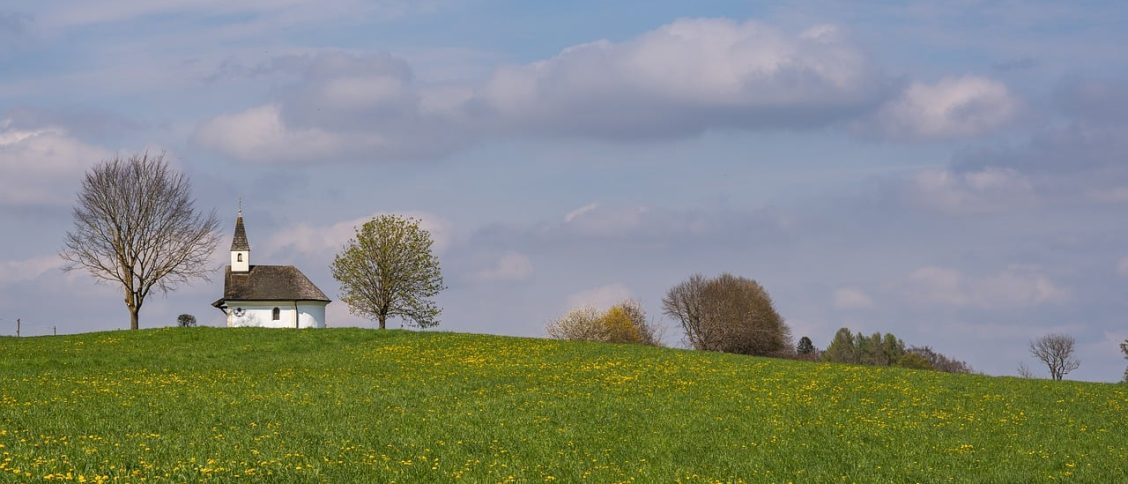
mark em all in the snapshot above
pixel 42 165
pixel 953 107
pixel 990 189
pixel 1122 266
pixel 679 80
pixel 687 77
pixel 851 298
pixel 313 240
pixel 1016 286
pixel 570 216
pixel 345 107
pixel 601 297
pixel 16 271
pixel 662 225
pixel 259 134
pixel 512 266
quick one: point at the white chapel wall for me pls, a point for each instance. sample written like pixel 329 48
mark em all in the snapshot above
pixel 261 314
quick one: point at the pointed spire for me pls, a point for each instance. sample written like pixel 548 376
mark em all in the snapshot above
pixel 239 242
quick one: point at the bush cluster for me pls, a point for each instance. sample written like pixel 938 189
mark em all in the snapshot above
pixel 622 323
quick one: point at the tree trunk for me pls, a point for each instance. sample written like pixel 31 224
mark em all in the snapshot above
pixel 133 318
pixel 382 318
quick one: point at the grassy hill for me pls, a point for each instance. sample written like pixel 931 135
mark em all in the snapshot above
pixel 363 405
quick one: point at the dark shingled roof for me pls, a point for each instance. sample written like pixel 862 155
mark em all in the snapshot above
pixel 269 283
pixel 239 242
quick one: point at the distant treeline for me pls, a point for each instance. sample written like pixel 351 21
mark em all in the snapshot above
pixel 880 349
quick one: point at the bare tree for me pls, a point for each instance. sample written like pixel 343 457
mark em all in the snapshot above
pixel 1024 371
pixel 1056 351
pixel 135 224
pixel 728 313
pixel 186 320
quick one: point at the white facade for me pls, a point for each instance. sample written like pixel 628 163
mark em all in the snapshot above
pixel 240 260
pixel 290 314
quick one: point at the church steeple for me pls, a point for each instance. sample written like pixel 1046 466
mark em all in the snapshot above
pixel 240 248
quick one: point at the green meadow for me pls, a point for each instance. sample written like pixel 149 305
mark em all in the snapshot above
pixel 355 405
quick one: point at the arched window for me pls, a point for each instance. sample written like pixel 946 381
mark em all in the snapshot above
pixel 239 257
pixel 277 314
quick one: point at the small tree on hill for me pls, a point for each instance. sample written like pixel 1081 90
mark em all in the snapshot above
pixel 185 320
pixel 388 270
pixel 1056 351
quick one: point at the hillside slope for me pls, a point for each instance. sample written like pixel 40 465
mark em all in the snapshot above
pixel 363 405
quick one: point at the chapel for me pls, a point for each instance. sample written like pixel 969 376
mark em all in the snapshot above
pixel 267 296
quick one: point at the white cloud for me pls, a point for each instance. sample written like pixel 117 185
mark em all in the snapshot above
pixel 678 80
pixel 42 166
pixel 953 107
pixel 1016 286
pixel 601 297
pixel 686 77
pixel 346 106
pixel 310 239
pixel 1122 266
pixel 512 266
pixel 991 189
pixel 570 216
pixel 260 134
pixel 594 220
pixel 851 298
pixel 14 271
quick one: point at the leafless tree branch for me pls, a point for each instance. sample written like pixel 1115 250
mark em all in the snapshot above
pixel 135 225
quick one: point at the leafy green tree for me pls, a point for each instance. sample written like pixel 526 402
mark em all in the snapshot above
pixel 842 348
pixel 185 320
pixel 388 270
pixel 892 349
pixel 805 346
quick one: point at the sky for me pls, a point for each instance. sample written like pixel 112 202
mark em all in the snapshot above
pixel 955 173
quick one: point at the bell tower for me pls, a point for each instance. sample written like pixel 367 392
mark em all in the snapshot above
pixel 240 248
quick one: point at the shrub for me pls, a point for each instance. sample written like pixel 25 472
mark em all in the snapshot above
pixel 940 362
pixel 915 361
pixel 623 323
